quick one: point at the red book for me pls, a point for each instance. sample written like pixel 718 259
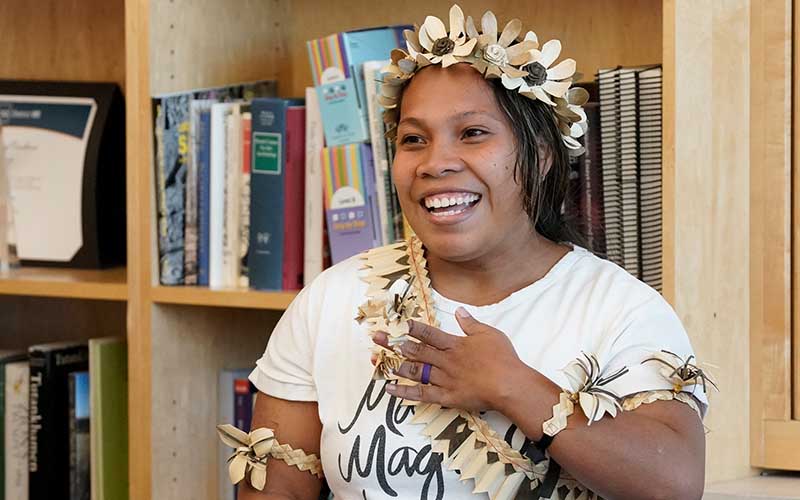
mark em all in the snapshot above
pixel 294 198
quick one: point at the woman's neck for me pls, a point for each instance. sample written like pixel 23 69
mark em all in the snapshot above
pixel 498 273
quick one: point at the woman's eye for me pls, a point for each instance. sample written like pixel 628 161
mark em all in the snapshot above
pixel 473 132
pixel 411 139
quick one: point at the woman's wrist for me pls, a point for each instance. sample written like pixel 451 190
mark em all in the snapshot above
pixel 527 399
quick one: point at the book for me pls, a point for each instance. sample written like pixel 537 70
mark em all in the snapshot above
pixel 217 232
pixel 79 416
pixel 6 357
pixel 193 191
pixel 350 205
pixel 380 156
pixel 203 156
pixel 336 62
pixel 244 197
pixel 314 238
pixel 15 432
pixel 108 388
pixel 231 260
pixel 277 185
pixel 225 396
pixel 73 215
pixel 48 459
pixel 171 132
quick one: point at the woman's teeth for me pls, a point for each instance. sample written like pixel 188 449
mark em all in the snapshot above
pixel 438 204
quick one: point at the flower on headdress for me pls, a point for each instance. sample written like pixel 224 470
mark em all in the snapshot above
pixel 433 45
pixel 571 116
pixel 495 57
pixel 542 81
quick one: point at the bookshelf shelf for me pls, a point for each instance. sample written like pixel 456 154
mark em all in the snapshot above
pixel 238 298
pixel 109 284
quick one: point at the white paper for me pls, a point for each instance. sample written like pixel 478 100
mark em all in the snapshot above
pixel 45 170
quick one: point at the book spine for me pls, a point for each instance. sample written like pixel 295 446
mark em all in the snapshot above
pixel 244 200
pixel 265 256
pixel 243 404
pixel 73 441
pixel 371 185
pixel 39 432
pixel 16 430
pixel 190 223
pixel 233 173
pixel 216 269
pixel 379 161
pixel 172 136
pixel 49 466
pixel 314 212
pixel 203 196
pixel 294 179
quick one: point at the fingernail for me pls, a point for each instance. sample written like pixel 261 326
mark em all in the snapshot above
pixel 462 313
pixel 373 359
pixel 391 388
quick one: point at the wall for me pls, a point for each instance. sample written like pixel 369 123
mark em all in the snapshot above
pixel 710 229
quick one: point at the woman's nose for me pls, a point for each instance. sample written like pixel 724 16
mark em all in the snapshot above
pixel 441 160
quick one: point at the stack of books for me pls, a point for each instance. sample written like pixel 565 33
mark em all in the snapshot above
pixel 630 136
pixel 63 409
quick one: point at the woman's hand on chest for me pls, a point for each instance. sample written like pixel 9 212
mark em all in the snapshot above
pixel 476 372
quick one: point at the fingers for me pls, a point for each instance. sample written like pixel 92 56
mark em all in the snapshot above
pixel 431 335
pixel 467 323
pixel 415 351
pixel 412 370
pixel 424 393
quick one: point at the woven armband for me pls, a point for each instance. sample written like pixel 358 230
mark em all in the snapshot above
pixel 252 450
pixel 588 383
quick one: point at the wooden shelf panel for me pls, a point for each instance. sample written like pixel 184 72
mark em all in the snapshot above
pixel 202 296
pixel 106 284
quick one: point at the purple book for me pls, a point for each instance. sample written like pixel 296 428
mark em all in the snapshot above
pixel 351 211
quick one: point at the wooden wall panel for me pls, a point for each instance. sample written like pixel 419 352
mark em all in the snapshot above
pixel 770 220
pixel 206 43
pixel 711 198
pixel 80 40
pixel 596 33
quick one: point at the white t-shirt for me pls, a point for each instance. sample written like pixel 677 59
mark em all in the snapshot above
pixel 370 449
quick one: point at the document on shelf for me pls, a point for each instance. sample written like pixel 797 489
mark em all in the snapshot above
pixel 46 140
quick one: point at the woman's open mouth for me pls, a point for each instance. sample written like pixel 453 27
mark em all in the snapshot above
pixel 450 205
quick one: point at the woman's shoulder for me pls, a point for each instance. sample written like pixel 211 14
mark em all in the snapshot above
pixel 602 278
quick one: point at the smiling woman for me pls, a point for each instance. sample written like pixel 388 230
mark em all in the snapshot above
pixel 495 339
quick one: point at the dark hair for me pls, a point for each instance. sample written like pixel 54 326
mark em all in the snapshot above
pixel 535 129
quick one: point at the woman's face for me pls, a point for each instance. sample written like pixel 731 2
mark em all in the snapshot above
pixel 454 165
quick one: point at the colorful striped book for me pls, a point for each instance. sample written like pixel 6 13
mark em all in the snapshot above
pixel 351 206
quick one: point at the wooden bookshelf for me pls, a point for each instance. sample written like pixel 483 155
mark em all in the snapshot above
pixel 181 337
pixel 201 296
pixel 108 284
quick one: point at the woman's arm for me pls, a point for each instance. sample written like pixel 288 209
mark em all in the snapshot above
pixel 295 423
pixel 654 452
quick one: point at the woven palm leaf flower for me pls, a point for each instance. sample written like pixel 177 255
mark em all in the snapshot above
pixel 572 122
pixel 588 383
pixel 681 373
pixel 495 57
pixel 543 82
pixel 251 451
pixel 435 45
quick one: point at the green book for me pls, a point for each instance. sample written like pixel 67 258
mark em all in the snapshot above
pixel 108 389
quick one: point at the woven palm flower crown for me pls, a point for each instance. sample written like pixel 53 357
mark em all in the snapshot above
pixel 516 59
